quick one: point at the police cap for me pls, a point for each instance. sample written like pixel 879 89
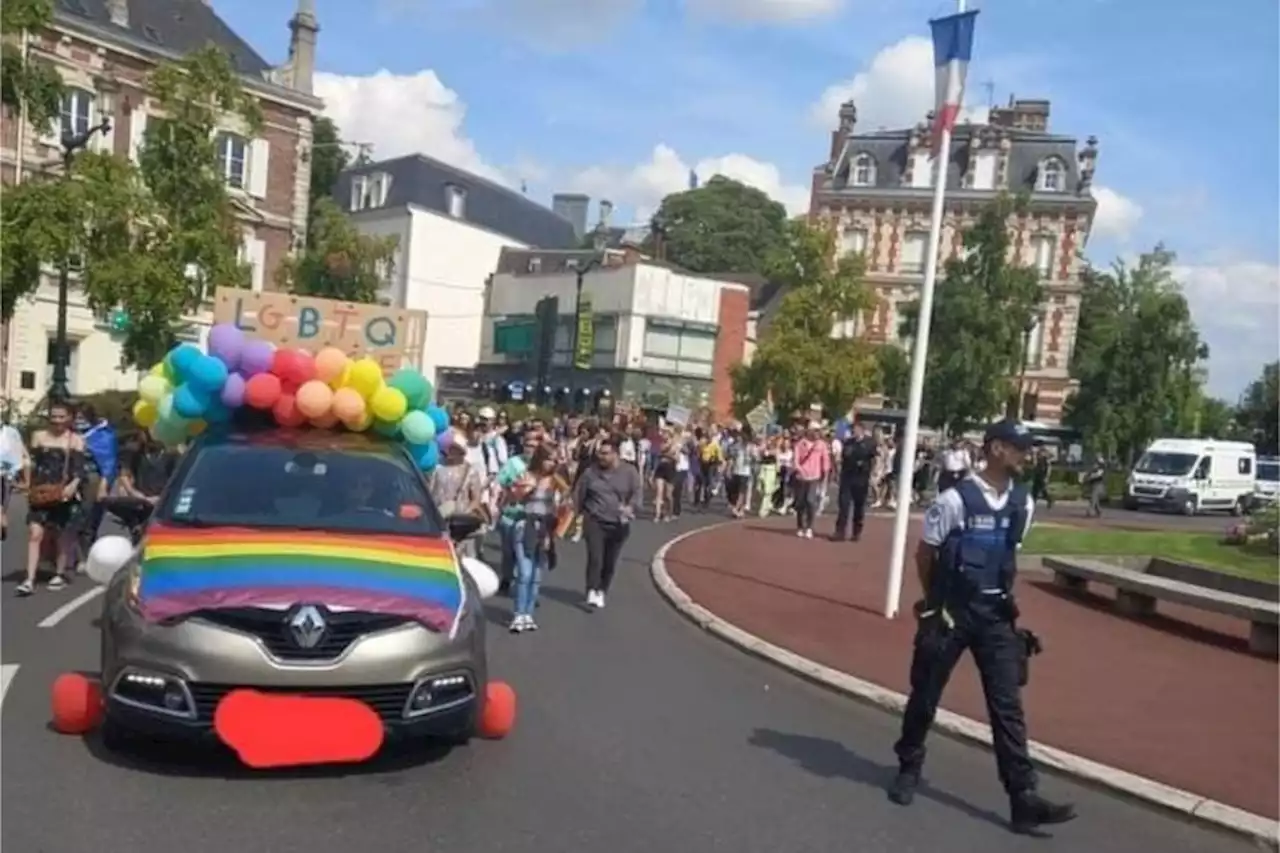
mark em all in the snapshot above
pixel 1011 432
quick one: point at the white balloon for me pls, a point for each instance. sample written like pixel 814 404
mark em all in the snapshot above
pixel 486 579
pixel 108 555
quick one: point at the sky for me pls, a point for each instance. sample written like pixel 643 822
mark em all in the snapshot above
pixel 620 99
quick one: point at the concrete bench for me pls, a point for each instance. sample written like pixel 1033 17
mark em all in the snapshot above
pixel 1137 593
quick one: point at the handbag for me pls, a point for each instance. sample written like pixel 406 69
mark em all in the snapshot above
pixel 450 507
pixel 48 495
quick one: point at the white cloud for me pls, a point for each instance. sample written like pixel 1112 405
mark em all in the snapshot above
pixel 896 89
pixel 1117 215
pixel 642 187
pixel 403 114
pixel 1236 306
pixel 769 11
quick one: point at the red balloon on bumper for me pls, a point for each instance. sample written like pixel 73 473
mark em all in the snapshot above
pixel 499 716
pixel 77 704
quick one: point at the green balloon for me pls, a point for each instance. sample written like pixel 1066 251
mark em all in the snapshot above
pixel 414 386
pixel 390 430
pixel 170 431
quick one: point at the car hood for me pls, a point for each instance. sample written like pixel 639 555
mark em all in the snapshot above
pixel 186 569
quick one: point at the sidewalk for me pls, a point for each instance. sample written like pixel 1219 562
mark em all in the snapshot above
pixel 1177 699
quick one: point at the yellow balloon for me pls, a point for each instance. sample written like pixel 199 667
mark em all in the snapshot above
pixel 145 414
pixel 159 369
pixel 196 427
pixel 343 379
pixel 365 421
pixel 388 404
pixel 365 377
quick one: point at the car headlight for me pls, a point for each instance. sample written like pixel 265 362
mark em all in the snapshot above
pixel 438 693
pixel 154 691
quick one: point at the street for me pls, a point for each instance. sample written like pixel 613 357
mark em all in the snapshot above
pixel 636 732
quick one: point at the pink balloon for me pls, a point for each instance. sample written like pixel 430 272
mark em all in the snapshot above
pixel 326 421
pixel 314 398
pixel 330 363
pixel 348 405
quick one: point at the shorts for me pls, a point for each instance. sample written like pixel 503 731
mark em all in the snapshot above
pixel 735 487
pixel 665 471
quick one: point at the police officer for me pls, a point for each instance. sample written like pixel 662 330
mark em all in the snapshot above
pixel 857 458
pixel 966 563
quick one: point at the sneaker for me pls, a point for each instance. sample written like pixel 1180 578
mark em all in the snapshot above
pixel 57 582
pixel 517 624
pixel 24 589
pixel 808 534
pixel 903 789
pixel 1029 810
pixel 591 598
pixel 799 534
pixel 599 599
pixel 529 624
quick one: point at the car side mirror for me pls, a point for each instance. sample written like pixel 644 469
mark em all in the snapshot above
pixel 463 525
pixel 486 579
pixel 107 557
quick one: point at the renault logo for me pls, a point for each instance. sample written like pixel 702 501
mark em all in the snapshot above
pixel 307 627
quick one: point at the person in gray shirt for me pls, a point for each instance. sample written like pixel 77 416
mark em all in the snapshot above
pixel 607 496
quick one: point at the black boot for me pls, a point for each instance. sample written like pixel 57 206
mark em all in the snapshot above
pixel 1029 810
pixel 903 789
pixel 857 533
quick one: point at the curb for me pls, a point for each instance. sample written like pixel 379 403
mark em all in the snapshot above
pixel 1198 808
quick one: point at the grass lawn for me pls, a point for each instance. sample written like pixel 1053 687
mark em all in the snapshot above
pixel 1203 549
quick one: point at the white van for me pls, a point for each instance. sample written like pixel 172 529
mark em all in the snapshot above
pixel 1192 475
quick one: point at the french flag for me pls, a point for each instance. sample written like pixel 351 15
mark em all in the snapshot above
pixel 952 45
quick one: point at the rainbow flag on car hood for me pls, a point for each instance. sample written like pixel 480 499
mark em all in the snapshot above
pixel 187 569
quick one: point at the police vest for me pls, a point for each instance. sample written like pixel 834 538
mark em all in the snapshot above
pixel 980 558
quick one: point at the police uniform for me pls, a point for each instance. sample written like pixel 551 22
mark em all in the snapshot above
pixel 857 457
pixel 976 531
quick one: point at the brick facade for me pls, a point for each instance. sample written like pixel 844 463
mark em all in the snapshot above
pixel 731 346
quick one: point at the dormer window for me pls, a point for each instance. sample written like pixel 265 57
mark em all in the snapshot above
pixel 863 173
pixel 456 198
pixel 368 191
pixel 535 265
pixel 1052 175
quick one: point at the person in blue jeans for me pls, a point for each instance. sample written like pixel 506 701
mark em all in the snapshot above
pixel 538 494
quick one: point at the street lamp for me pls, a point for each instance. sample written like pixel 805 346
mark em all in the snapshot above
pixel 58 392
pixel 1030 327
pixel 582 271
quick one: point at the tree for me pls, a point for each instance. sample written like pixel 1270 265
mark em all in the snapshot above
pixel 33 88
pixel 721 227
pixel 1137 357
pixel 895 373
pixel 798 361
pixel 339 262
pixel 328 159
pixel 1259 410
pixel 982 308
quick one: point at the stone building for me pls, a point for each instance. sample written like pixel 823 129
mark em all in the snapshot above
pixel 876 187
pixel 104 50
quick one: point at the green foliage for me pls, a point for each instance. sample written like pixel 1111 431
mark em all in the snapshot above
pixel 797 360
pixel 1259 410
pixel 895 373
pixel 328 159
pixel 721 227
pixel 1136 358
pixel 982 308
pixel 339 262
pixel 26 81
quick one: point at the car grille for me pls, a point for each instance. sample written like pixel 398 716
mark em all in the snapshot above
pixel 272 628
pixel 1148 491
pixel 388 700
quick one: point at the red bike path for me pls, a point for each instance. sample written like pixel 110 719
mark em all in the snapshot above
pixel 1176 698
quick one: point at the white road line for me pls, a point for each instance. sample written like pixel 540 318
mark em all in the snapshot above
pixel 71 607
pixel 7 672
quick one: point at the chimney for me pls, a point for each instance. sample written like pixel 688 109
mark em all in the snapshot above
pixel 848 117
pixel 118 10
pixel 606 213
pixel 573 207
pixel 302 46
pixel 1022 114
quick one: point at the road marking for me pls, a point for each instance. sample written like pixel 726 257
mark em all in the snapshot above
pixel 7 672
pixel 71 607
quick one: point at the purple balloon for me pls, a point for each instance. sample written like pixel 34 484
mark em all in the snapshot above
pixel 233 391
pixel 444 439
pixel 256 357
pixel 226 343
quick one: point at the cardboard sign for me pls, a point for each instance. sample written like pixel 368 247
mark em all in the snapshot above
pixel 392 336
pixel 678 415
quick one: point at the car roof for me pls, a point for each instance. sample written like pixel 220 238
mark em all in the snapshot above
pixel 304 439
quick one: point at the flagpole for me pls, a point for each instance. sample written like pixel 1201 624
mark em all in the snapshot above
pixel 919 355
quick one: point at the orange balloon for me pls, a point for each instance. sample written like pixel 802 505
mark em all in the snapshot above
pixel 499 715
pixel 348 405
pixel 77 704
pixel 314 398
pixel 330 363
pixel 359 424
pixel 326 421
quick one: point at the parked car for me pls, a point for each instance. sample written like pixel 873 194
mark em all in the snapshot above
pixel 1266 488
pixel 309 564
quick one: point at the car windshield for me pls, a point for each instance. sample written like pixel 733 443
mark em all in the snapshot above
pixel 369 490
pixel 1166 464
pixel 1269 471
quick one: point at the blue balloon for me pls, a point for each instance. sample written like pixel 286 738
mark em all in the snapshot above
pixel 427 456
pixel 188 402
pixel 439 417
pixel 216 412
pixel 183 358
pixel 207 374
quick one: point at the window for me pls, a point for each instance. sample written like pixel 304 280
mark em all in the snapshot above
pixel 1052 175
pixel 77 112
pixel 854 241
pixel 457 198
pixel 535 265
pixel 1244 466
pixel 1035 344
pixel 678 349
pixel 1044 246
pixel 1204 468
pixel 864 171
pixel 604 340
pixel 27 379
pixel 514 337
pixel 913 250
pixel 983 174
pixel 233 155
pixel 368 191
